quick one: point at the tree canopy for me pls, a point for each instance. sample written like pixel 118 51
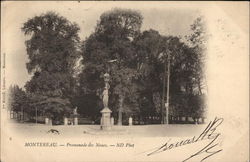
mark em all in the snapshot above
pixel 52 49
pixel 136 61
pixel 17 98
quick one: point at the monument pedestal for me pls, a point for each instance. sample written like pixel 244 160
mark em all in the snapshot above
pixel 106 121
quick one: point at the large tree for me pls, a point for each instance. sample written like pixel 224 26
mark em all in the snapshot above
pixel 52 50
pixel 149 45
pixel 197 42
pixel 152 51
pixel 136 62
pixel 109 49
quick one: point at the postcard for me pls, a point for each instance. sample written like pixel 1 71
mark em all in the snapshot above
pixel 124 81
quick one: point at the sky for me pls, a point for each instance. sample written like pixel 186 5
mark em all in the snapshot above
pixel 167 18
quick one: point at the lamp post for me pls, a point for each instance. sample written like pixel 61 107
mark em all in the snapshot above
pixel 163 94
pixel 36 115
pixel 22 115
pixel 166 104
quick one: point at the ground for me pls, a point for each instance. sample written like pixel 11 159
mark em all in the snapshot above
pixel 172 130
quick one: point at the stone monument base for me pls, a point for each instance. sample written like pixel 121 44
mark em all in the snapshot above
pixel 105 120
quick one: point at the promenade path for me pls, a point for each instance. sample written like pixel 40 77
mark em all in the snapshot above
pixel 172 130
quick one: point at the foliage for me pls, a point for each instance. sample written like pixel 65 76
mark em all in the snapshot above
pixel 197 40
pixel 110 49
pixel 52 51
pixel 120 24
pixel 18 100
pixel 138 70
pixel 135 61
pixel 187 74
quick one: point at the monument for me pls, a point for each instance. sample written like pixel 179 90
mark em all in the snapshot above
pixel 105 120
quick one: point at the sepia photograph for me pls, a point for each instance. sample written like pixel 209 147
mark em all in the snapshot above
pixel 147 81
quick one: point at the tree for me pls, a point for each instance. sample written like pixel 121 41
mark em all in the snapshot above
pixel 149 45
pixel 187 72
pixel 197 40
pixel 112 40
pixel 52 51
pixel 135 62
pixel 120 24
pixel 18 100
pixel 152 52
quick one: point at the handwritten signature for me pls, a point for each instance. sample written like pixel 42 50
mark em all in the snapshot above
pixel 208 133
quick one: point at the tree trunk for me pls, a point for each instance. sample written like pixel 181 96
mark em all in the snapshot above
pixel 121 98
